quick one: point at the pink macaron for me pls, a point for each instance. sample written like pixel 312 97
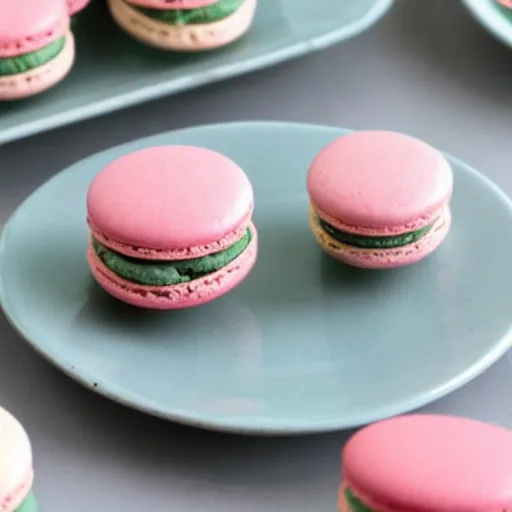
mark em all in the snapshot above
pixel 506 3
pixel 75 6
pixel 423 463
pixel 379 199
pixel 184 25
pixel 171 227
pixel 36 46
pixel 16 469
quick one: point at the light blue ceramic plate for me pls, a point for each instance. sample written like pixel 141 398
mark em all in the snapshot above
pixel 495 18
pixel 305 344
pixel 112 71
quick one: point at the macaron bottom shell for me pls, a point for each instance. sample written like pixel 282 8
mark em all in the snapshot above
pixel 183 37
pixel 183 295
pixel 29 504
pixel 382 258
pixel 38 79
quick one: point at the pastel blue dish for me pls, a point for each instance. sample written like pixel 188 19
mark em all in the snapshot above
pixel 305 344
pixel 494 17
pixel 112 71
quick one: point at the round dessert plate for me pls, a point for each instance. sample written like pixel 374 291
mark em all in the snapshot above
pixel 494 17
pixel 304 344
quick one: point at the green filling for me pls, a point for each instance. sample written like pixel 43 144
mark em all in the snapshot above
pixel 216 12
pixel 32 60
pixel 354 503
pixel 375 242
pixel 28 505
pixel 163 273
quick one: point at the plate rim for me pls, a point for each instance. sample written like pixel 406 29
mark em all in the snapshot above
pixel 170 87
pixel 241 426
pixel 490 18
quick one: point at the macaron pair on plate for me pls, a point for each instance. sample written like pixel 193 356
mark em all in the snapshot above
pixel 495 16
pixel 304 342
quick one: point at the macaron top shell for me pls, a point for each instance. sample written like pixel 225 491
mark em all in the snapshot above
pixel 170 198
pixel 377 179
pixel 422 463
pixel 173 4
pixel 28 25
pixel 15 460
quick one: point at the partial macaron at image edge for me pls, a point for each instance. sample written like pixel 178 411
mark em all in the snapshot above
pixel 34 55
pixel 211 26
pixel 16 467
pixel 423 462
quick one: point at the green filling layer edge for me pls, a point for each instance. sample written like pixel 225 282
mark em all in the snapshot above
pixel 166 273
pixel 375 242
pixel 354 503
pixel 32 60
pixel 209 14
